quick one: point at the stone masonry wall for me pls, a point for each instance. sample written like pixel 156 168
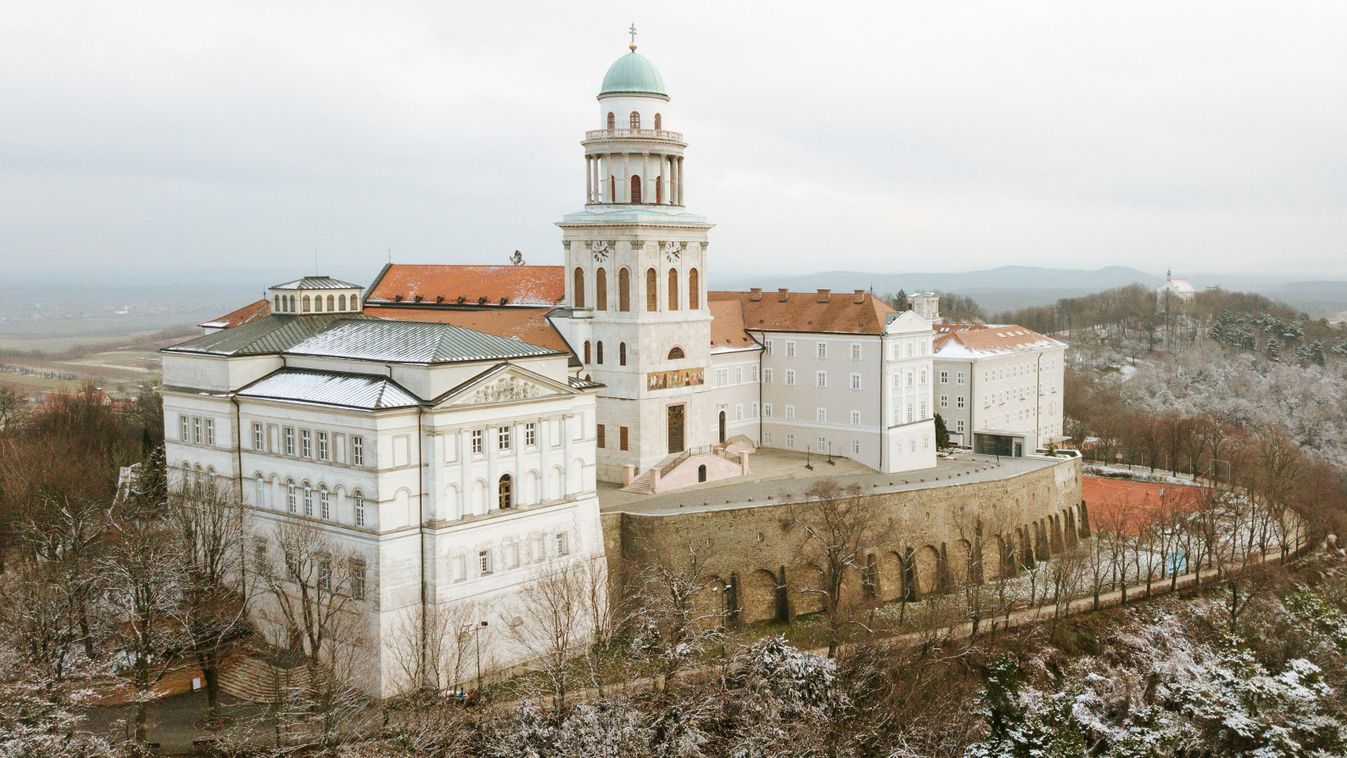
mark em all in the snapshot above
pixel 753 563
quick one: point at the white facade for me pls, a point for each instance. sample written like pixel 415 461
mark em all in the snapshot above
pixel 1006 388
pixel 467 491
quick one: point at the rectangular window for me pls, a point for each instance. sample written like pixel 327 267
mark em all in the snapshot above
pixel 564 543
pixel 909 411
pixel 260 551
pixel 325 573
pixel 722 377
pixel 210 431
pixel 753 373
pixel 925 408
pixel 855 351
pixel 958 426
pixel 477 441
pixel 767 438
pixel 502 438
pixel 602 436
pixel 923 377
pixel 305 443
pixel 769 347
pixel 622 437
pixel 944 377
pixel 821 445
pixel 855 381
pixel 290 498
pixel 790 413
pixel 357 579
pixel 308 501
pixel 790 440
pixel 855 447
pixel 944 401
pixel 324 505
pixel 184 429
pixel 766 410
pixel 358 451
pixel 738 411
pixel 855 418
pixel 755 409
pixel 530 434
pixel 821 415
pixel 484 562
pixel 259 436
pixel 910 377
pixel 359 509
pixel 790 377
pixel 766 376
pixel 738 374
pixel 323 450
pixel 261 501
pixel 196 429
pixel 821 378
pixel 790 348
pixel 821 350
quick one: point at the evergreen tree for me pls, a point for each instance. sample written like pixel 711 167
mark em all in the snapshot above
pixel 941 433
pixel 1273 349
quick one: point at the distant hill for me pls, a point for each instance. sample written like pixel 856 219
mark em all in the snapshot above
pixel 995 289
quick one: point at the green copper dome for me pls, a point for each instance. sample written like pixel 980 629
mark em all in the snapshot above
pixel 633 74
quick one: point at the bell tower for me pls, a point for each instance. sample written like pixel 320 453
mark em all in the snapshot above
pixel 636 279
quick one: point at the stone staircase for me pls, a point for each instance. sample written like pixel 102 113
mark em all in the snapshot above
pixel 248 676
pixel 653 479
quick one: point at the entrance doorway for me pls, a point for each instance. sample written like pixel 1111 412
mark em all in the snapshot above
pixel 675 429
pixel 722 426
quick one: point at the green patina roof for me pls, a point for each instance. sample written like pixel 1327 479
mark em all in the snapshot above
pixel 633 74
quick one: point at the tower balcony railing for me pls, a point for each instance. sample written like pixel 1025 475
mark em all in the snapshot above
pixel 663 134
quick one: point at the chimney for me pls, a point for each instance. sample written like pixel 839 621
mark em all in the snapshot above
pixel 858 297
pixel 755 294
pixel 825 295
pixel 782 295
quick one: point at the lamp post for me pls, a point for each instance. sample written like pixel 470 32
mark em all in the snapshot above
pixel 476 631
pixel 1229 471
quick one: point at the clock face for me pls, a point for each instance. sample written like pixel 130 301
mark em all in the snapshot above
pixel 673 251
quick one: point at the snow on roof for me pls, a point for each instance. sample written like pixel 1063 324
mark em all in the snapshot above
pixel 972 341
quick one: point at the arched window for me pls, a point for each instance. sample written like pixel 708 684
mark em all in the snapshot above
pixel 307 305
pixel 586 360
pixel 331 303
pixel 579 287
pixel 659 190
pixel 612 189
pixel 318 304
pixel 505 492
pixel 601 290
pixel 278 303
pixel 612 120
pixel 676 353
pixel 624 290
pixel 673 289
pixel 621 353
pixel 635 119
pixel 598 352
pixel 292 304
pixel 651 291
pixel 659 122
pixel 701 473
pixel 694 294
pixel 341 303
pixel 636 189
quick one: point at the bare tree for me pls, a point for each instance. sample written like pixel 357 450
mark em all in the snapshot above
pixel 207 526
pixel 669 625
pixel 839 528
pixel 142 579
pixel 551 625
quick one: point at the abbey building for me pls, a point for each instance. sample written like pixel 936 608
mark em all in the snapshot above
pixel 448 429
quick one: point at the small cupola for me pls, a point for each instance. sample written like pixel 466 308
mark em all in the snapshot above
pixel 314 296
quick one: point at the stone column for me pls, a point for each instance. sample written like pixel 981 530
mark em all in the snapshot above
pixel 624 191
pixel 680 180
pixel 517 438
pixel 647 186
pixel 664 188
pixel 492 469
pixel 464 470
pixel 544 447
pixel 589 179
pixel 434 463
pixel 566 448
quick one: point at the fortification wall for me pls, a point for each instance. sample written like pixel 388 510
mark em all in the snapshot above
pixel 754 562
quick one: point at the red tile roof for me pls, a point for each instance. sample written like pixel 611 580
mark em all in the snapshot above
pixel 250 312
pixel 526 324
pixel 727 326
pixel 470 285
pixel 971 340
pixel 823 311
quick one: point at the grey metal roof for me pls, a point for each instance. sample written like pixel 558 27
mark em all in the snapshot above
pixel 268 336
pixel 364 391
pixel 316 283
pixel 412 342
pixel 582 384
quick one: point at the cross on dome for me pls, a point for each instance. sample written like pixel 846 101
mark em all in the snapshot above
pixel 632 32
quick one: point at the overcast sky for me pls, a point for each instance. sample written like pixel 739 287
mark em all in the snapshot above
pixel 899 136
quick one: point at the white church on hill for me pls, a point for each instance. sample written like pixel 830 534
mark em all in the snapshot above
pixel 450 423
